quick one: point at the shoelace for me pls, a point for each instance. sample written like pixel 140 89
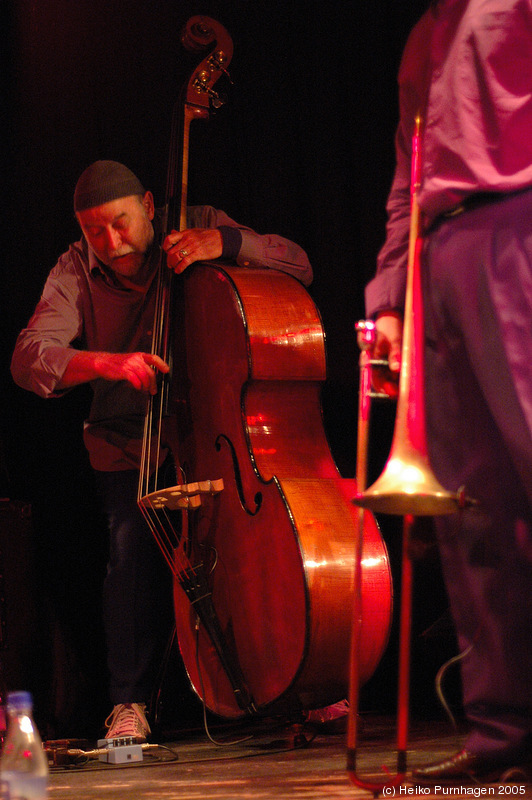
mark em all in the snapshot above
pixel 125 720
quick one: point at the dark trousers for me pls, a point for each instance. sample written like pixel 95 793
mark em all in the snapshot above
pixel 478 308
pixel 137 595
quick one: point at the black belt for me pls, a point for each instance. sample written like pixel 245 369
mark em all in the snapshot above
pixel 469 203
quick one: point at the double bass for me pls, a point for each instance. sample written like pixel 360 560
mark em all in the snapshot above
pixel 258 526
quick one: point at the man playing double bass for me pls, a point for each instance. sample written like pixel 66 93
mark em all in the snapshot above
pixel 94 324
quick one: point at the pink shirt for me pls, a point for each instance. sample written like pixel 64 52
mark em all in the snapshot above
pixel 467 69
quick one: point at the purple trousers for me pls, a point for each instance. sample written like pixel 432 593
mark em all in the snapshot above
pixel 477 275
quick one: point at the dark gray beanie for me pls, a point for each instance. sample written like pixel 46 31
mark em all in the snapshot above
pixel 104 181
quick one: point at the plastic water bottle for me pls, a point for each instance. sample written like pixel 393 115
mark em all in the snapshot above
pixel 23 764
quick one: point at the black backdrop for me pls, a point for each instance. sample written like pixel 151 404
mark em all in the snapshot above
pixel 303 147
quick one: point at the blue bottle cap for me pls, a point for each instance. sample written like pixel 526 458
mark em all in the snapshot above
pixel 19 699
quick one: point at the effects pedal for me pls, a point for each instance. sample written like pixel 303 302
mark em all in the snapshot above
pixel 122 750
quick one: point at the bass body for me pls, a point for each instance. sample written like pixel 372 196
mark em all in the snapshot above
pixel 275 548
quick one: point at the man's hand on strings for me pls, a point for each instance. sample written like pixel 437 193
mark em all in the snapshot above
pixel 139 369
pixel 195 244
pixel 389 328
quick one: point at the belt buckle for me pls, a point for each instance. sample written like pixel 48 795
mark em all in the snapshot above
pixel 454 212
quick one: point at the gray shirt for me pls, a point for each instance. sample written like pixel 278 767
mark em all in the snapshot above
pixel 82 307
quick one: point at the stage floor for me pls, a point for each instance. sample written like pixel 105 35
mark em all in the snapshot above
pixel 266 761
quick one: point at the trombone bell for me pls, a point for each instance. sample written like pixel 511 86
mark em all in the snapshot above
pixel 408 486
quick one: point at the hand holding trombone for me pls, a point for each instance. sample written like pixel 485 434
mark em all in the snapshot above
pixel 407 486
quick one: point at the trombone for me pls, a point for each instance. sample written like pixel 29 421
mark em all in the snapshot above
pixel 406 487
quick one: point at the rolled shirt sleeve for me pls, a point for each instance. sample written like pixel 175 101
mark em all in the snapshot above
pixel 43 349
pixel 257 250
